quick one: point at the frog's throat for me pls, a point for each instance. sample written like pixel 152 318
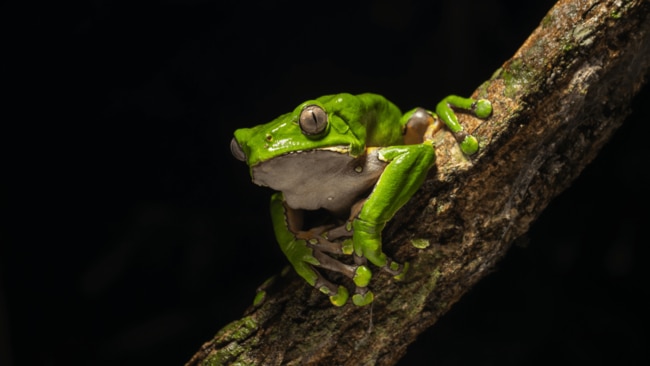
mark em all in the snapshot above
pixel 326 178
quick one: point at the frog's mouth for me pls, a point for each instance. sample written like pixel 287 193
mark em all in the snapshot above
pixel 239 154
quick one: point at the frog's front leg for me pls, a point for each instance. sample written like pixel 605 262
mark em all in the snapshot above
pixel 406 169
pixel 306 251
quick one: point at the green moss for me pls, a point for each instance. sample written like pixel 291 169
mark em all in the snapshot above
pixel 231 336
pixel 548 19
pixel 227 356
pixel 224 355
pixel 237 330
pixel 495 75
pixel 516 76
pixel 420 243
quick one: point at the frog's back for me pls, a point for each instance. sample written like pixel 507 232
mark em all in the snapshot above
pixel 382 121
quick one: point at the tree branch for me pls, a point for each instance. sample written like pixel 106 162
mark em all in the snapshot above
pixel 556 102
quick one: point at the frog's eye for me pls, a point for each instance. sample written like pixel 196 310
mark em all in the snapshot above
pixel 313 120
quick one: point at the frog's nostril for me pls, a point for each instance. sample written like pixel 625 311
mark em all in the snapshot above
pixel 236 150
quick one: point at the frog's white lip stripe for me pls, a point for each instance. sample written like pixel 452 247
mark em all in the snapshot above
pixel 337 149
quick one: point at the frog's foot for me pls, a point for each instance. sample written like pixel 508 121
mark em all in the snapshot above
pixel 481 108
pixel 362 295
pixel 359 273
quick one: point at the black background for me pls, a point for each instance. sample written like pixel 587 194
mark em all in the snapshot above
pixel 131 235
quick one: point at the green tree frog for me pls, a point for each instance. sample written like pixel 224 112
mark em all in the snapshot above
pixel 342 165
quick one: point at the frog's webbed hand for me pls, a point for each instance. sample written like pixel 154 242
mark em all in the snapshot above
pixel 405 171
pixel 306 251
pixel 481 108
pixel 362 274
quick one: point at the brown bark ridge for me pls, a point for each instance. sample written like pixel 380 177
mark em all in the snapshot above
pixel 556 103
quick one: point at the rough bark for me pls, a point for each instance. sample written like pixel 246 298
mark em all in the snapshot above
pixel 556 103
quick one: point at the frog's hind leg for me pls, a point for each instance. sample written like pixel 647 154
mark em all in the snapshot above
pixel 300 253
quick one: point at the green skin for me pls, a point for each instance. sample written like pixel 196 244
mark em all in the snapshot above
pixel 356 157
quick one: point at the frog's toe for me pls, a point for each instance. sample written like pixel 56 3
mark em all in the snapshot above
pixel 329 263
pixel 393 267
pixel 468 143
pixel 339 232
pixel 325 245
pixel 362 299
pixel 482 108
pixel 404 271
pixel 362 276
pixel 341 297
pixel 338 295
pixel 347 247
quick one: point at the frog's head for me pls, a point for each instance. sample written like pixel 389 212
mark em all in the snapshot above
pixel 330 123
